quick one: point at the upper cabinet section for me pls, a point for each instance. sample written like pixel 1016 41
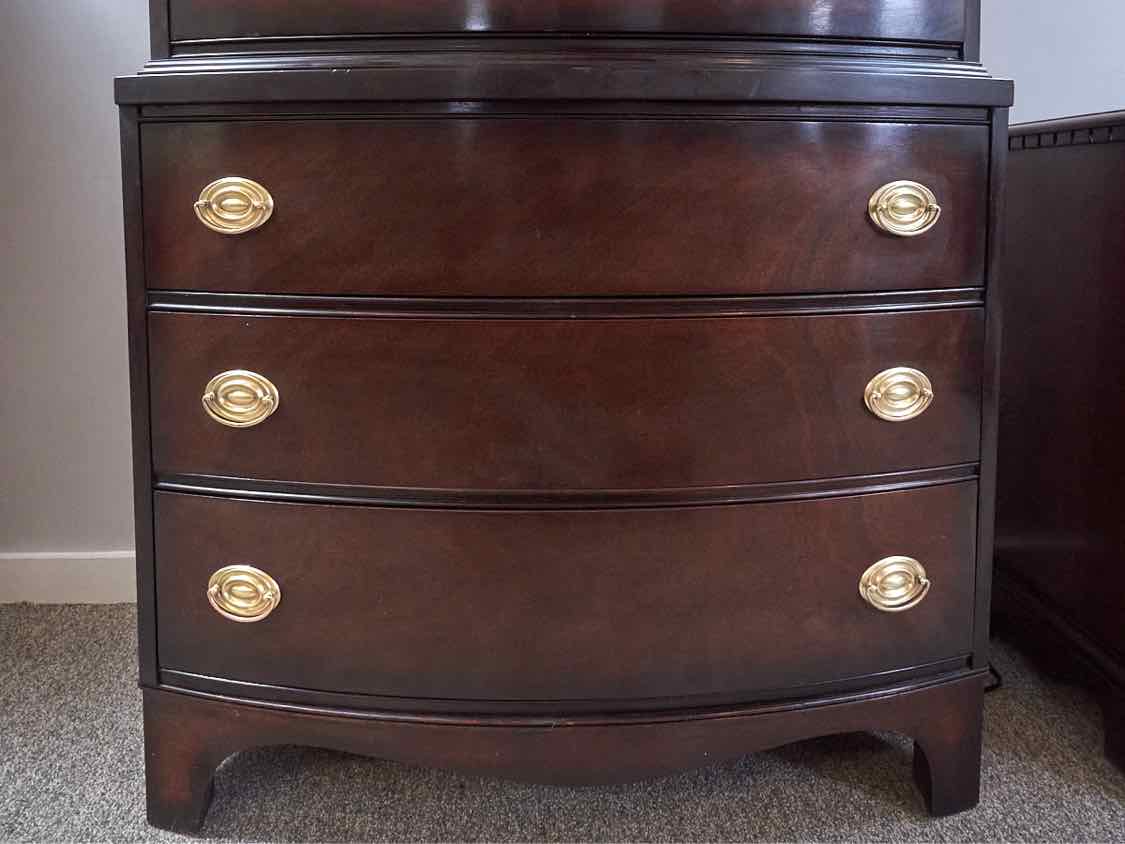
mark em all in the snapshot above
pixel 871 52
pixel 240 24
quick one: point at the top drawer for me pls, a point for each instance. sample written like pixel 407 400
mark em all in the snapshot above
pixel 560 206
pixel 910 20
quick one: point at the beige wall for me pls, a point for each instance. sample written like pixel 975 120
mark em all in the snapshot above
pixel 1065 57
pixel 65 488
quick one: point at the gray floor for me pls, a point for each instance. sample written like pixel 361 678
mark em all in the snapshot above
pixel 70 769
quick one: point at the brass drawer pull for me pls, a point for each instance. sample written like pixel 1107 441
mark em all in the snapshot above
pixel 905 209
pixel 894 584
pixel 243 593
pixel 239 398
pixel 898 394
pixel 234 205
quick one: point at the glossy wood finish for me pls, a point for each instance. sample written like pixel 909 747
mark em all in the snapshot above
pixel 990 386
pixel 623 603
pixel 907 20
pixel 186 737
pixel 303 493
pixel 636 707
pixel 638 110
pixel 553 74
pixel 564 206
pixel 1060 532
pixel 506 307
pixel 139 398
pixel 601 306
pixel 615 404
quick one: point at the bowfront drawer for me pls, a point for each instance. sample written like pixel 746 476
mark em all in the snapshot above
pixel 563 206
pixel 564 404
pixel 553 605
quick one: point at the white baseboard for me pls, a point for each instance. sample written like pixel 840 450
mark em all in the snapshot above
pixel 68 577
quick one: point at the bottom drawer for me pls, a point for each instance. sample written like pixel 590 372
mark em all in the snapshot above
pixel 564 605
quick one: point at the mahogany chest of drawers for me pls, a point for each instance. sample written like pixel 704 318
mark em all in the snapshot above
pixel 573 392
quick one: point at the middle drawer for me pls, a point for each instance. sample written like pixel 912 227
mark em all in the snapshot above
pixel 559 404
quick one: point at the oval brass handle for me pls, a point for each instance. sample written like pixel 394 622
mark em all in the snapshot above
pixel 905 209
pixel 898 394
pixel 240 398
pixel 894 584
pixel 234 205
pixel 243 593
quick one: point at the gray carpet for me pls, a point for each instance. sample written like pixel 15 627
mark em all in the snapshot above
pixel 70 769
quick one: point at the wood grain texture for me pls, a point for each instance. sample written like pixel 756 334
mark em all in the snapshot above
pixel 186 737
pixel 560 605
pixel 571 306
pixel 564 206
pixel 910 20
pixel 603 404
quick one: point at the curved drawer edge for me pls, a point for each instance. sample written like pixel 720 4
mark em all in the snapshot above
pixel 285 696
pixel 307 493
pixel 605 307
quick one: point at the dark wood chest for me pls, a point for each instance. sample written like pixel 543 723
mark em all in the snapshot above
pixel 1060 532
pixel 574 392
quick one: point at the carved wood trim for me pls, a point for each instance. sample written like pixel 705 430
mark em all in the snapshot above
pixel 1067 138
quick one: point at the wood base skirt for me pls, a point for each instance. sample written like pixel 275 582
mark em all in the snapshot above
pixel 187 736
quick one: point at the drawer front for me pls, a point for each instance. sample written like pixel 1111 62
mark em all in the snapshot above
pixel 563 206
pixel 556 605
pixel 564 404
pixel 912 20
